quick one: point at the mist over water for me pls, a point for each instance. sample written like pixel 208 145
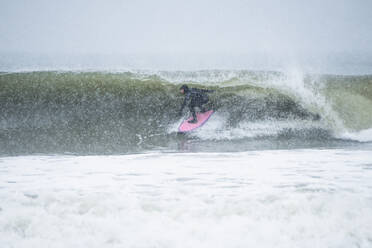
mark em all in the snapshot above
pixel 337 63
pixel 316 36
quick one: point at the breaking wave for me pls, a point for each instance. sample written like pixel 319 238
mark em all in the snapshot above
pixel 105 112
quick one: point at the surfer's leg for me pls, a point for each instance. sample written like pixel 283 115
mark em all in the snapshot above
pixel 192 110
pixel 204 101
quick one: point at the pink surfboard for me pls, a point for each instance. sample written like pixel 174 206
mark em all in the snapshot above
pixel 202 118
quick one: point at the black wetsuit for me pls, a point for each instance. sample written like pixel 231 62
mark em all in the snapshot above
pixel 198 98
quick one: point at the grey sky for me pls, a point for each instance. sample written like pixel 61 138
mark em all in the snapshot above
pixel 165 26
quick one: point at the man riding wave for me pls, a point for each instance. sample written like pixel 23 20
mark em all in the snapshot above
pixel 197 98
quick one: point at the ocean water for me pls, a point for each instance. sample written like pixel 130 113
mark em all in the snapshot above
pixel 48 112
pixel 94 159
pixel 264 198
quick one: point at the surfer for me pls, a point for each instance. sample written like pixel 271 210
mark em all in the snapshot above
pixel 197 98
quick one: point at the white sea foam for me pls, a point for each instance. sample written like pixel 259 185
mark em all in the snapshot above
pixel 217 128
pixel 361 136
pixel 287 198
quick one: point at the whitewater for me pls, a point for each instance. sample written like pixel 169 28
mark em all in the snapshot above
pixel 93 159
pixel 265 198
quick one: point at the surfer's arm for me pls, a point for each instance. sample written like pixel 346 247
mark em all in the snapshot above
pixel 207 91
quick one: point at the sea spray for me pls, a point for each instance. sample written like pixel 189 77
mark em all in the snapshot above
pixel 103 112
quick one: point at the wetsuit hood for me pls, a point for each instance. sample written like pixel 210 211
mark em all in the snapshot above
pixel 185 88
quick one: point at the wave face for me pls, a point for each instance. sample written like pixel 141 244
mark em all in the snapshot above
pixel 103 112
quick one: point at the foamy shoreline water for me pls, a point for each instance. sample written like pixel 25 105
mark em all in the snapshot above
pixel 281 198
